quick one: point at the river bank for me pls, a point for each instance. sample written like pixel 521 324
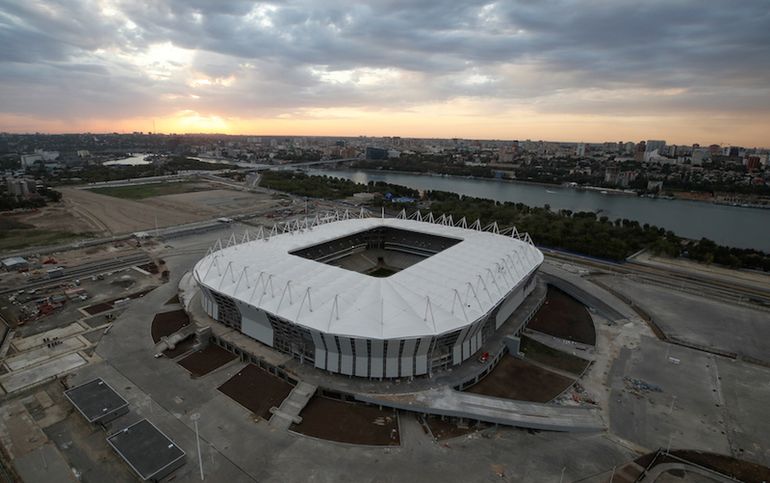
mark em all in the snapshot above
pixel 700 197
pixel 736 226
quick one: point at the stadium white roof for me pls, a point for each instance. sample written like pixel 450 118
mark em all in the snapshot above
pixel 442 293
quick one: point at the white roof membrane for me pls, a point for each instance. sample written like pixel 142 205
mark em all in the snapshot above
pixel 439 294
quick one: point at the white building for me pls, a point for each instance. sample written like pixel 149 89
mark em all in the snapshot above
pixel 371 297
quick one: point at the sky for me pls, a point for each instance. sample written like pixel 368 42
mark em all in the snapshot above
pixel 568 70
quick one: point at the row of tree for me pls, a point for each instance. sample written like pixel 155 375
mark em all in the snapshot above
pixel 578 232
pixel 8 202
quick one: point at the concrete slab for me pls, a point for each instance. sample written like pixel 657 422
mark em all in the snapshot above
pixel 36 340
pixel 685 413
pixel 18 431
pixel 701 321
pixel 43 465
pixel 87 451
pixel 745 391
pixel 24 378
pixel 42 353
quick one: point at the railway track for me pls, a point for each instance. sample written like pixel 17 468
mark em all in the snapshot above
pixel 80 271
pixel 734 291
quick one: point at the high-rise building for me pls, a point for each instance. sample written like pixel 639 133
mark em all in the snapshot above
pixel 653 144
pixel 641 148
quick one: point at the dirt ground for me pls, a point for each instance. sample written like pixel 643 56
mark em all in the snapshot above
pixel 543 354
pixel 166 323
pixel 56 216
pixel 516 379
pixel 111 215
pixel 564 317
pixel 204 361
pixel 110 304
pixel 256 390
pixel 346 422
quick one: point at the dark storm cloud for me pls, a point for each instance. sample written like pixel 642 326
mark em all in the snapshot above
pixel 713 55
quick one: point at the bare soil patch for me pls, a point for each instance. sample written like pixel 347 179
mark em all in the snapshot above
pixel 98 308
pixel 202 362
pixel 117 215
pixel 347 422
pixel 110 304
pixel 149 267
pixel 516 379
pixel 256 390
pixel 166 323
pixel 564 317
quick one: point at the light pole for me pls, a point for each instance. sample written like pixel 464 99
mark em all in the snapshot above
pixel 561 479
pixel 195 417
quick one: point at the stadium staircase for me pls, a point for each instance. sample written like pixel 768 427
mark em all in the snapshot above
pixel 288 413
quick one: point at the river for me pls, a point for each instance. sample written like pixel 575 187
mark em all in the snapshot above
pixel 727 225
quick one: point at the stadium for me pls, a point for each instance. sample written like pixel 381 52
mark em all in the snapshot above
pixel 371 297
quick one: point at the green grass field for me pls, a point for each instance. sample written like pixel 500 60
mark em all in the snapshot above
pixel 142 191
pixel 15 234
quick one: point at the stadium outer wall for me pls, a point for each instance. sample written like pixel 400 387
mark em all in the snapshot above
pixel 371 358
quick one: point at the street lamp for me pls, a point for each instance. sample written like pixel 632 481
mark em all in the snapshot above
pixel 195 417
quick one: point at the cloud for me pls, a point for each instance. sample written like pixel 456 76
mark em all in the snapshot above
pixel 127 58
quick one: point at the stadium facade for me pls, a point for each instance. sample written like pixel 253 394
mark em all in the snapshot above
pixel 371 297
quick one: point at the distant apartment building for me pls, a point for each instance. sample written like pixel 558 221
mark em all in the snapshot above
pixel 614 176
pixel 21 188
pixel 611 174
pixel 39 157
pixel 580 149
pixel 654 145
pixel 639 151
pixel 376 153
pixel 29 160
pixel 699 155
pixel 753 163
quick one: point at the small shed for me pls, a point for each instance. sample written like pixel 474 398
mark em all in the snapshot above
pixel 15 264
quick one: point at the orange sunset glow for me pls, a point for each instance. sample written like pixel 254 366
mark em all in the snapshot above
pixel 490 71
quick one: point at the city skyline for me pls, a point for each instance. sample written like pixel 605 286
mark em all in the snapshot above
pixel 568 71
